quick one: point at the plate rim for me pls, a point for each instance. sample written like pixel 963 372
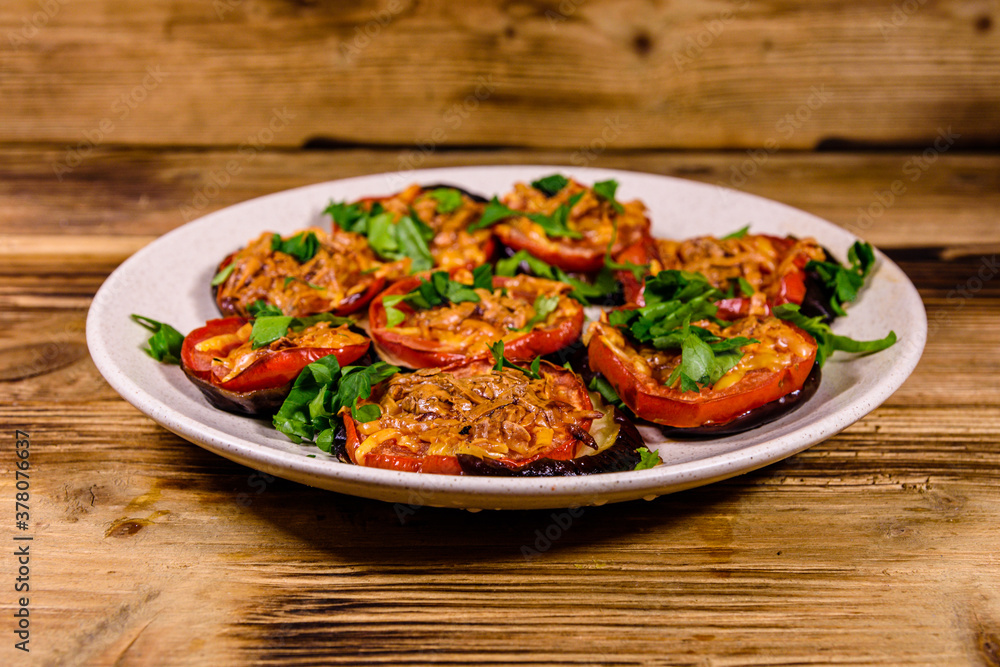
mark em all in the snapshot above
pixel 480 492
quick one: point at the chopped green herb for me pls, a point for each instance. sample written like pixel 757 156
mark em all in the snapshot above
pixel 745 287
pixel 291 279
pixel 844 283
pixel 165 343
pixel 637 270
pixel 647 459
pixel 606 190
pixel 738 234
pixel 302 246
pixel 261 308
pixel 311 410
pixel 448 199
pixel 600 384
pixel 584 292
pixel 551 185
pixel 439 290
pixel 391 240
pixel 349 217
pixel 544 306
pixel 269 328
pixel 222 275
pixel 502 362
pixel 828 341
pixel 554 225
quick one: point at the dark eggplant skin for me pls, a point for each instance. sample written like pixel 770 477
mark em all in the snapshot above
pixel 258 403
pixel 816 302
pixel 754 418
pixel 620 456
pixel 471 195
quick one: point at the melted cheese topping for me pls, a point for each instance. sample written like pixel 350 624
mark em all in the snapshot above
pixel 453 245
pixel 781 345
pixel 755 258
pixel 592 216
pixel 488 414
pixel 343 267
pixel 469 328
pixel 321 335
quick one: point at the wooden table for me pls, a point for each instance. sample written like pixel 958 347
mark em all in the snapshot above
pixel 879 545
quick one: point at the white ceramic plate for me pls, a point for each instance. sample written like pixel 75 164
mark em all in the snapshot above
pixel 169 281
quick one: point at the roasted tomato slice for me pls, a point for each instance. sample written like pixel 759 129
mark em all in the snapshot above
pixel 430 417
pixel 455 333
pixel 449 214
pixel 770 369
pixel 593 217
pixel 773 266
pixel 340 277
pixel 221 361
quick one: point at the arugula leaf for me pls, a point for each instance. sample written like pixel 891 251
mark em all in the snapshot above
pixel 828 341
pixel 551 185
pixel 311 410
pixel 440 289
pixel 268 328
pixel 165 343
pixel 222 275
pixel 604 284
pixel 502 362
pixel 544 305
pixel 554 225
pixel 261 308
pixel 302 246
pixel 349 217
pixel 845 282
pixel 647 459
pixel 606 190
pixel 448 199
pixel 738 234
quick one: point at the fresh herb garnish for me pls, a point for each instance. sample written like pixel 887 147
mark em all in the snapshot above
pixel 391 240
pixel 261 308
pixel 606 190
pixel 745 287
pixel 302 246
pixel 502 362
pixel 738 234
pixel 601 385
pixel 269 328
pixel 544 305
pixel 705 358
pixel 349 217
pixel 448 199
pixel 647 459
pixel 845 282
pixel 165 343
pixel 322 389
pixel 554 225
pixel 221 276
pixel 551 185
pixel 437 291
pixel 638 271
pixel 291 279
pixel 828 341
pixel 584 292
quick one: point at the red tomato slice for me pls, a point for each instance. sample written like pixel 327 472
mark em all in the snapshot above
pixel 416 352
pixel 609 354
pixel 273 369
pixel 389 456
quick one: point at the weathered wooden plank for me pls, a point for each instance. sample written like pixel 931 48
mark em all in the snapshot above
pixel 147 193
pixel 570 74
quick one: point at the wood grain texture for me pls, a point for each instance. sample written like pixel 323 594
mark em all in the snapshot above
pixel 877 546
pixel 539 73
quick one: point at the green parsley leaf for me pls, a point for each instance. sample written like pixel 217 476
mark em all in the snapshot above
pixel 544 306
pixel 551 185
pixel 600 384
pixel 165 343
pixel 844 283
pixel 639 271
pixel 261 308
pixel 647 459
pixel 349 217
pixel 584 292
pixel 302 246
pixel 828 341
pixel 291 279
pixel 222 275
pixel 448 199
pixel 745 287
pixel 439 290
pixel 554 225
pixel 606 190
pixel 738 234
pixel 269 328
pixel 502 362
pixel 311 410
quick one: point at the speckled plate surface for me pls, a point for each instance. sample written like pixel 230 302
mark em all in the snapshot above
pixel 168 280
